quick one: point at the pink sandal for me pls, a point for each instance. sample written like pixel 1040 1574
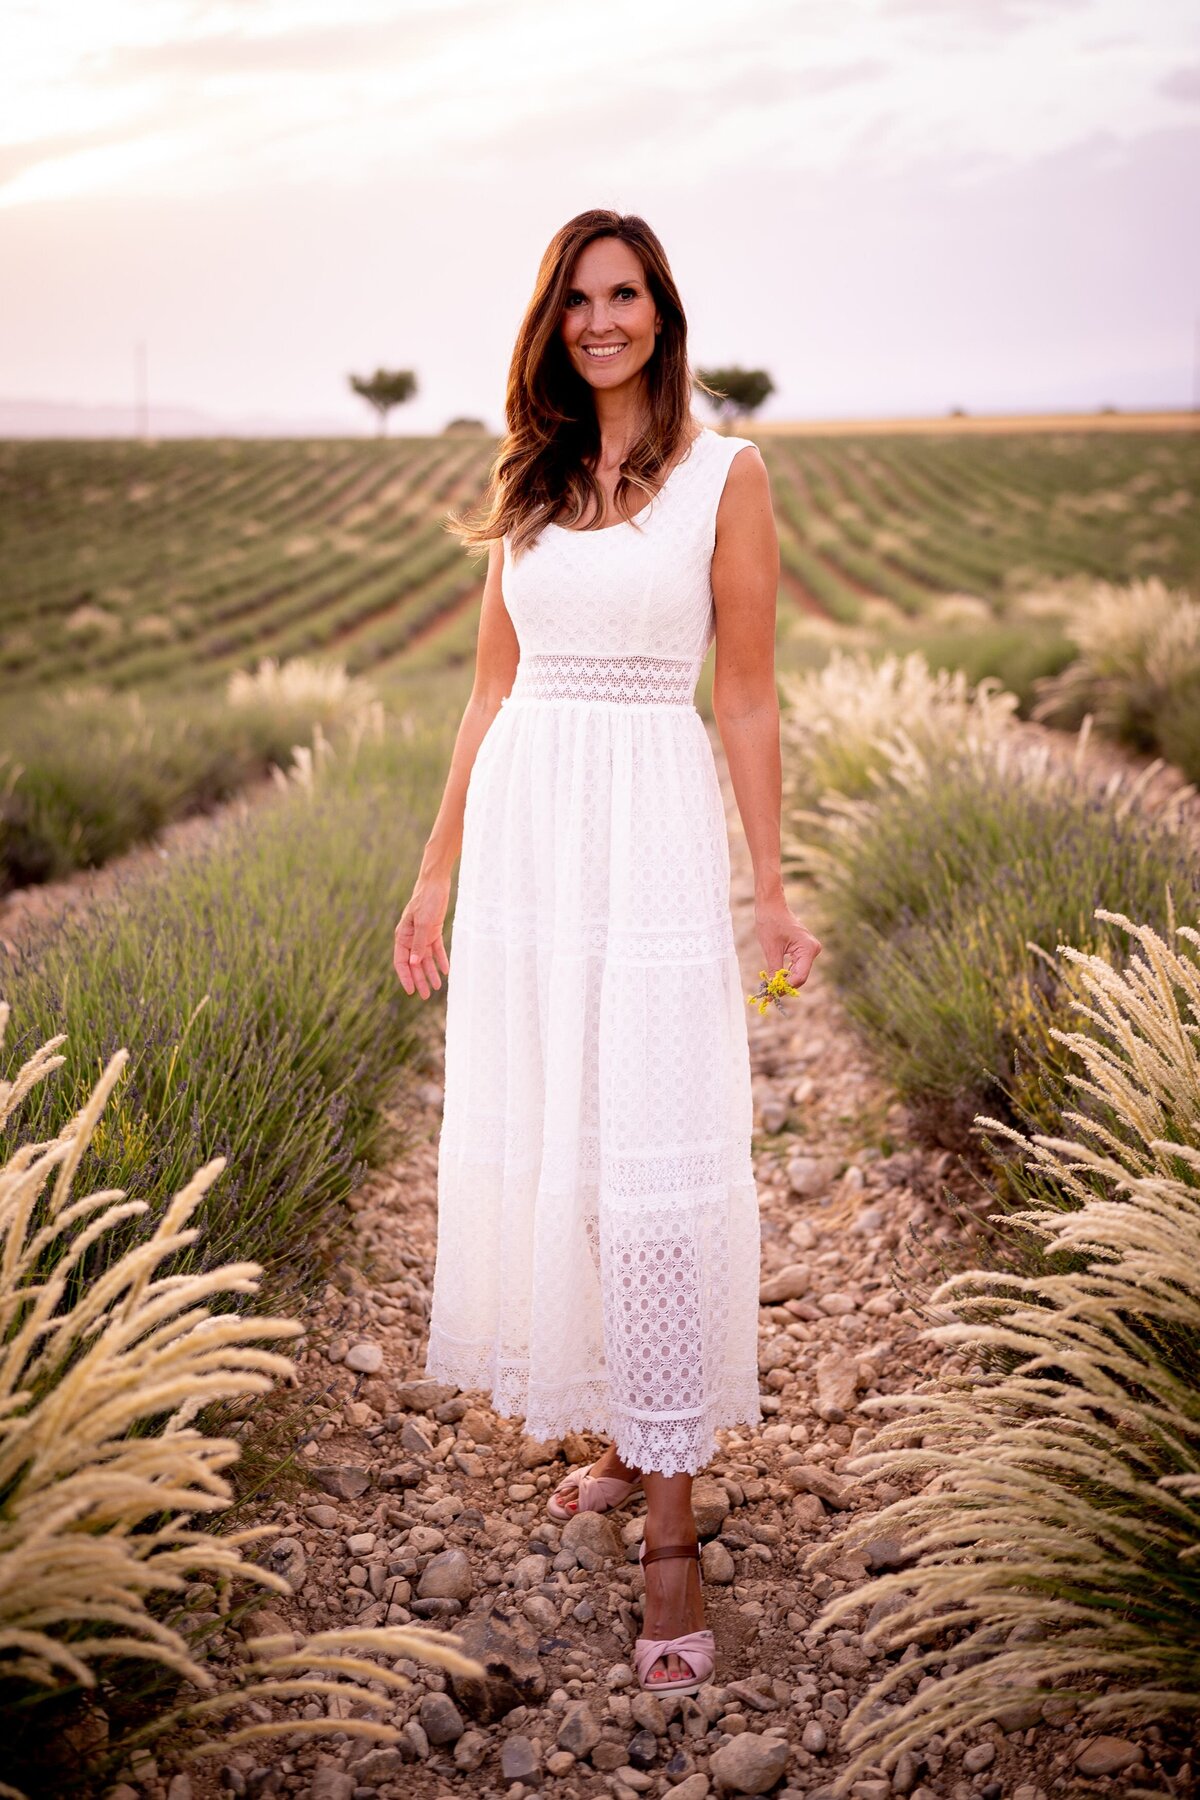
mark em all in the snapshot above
pixel 594 1493
pixel 697 1649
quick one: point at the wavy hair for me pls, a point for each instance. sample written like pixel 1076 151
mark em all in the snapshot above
pixel 541 470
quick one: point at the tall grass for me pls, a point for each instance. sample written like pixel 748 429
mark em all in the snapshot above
pixel 1137 670
pixel 948 853
pixel 103 1472
pixel 1056 1534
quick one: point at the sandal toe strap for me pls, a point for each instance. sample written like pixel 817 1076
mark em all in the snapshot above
pixel 696 1648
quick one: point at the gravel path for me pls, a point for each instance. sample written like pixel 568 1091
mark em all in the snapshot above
pixel 425 1505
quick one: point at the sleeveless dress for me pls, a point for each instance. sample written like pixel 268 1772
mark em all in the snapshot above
pixel 598 1230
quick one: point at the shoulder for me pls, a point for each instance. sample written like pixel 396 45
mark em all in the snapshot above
pixel 747 483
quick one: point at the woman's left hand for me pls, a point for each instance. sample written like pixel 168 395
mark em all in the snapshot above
pixel 786 943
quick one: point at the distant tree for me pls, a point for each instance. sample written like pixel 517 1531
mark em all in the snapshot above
pixel 384 389
pixel 464 428
pixel 734 392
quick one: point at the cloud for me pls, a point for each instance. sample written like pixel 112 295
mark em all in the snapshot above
pixel 1182 84
pixel 982 15
pixel 314 50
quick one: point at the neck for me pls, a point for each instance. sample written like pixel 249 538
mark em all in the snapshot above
pixel 620 417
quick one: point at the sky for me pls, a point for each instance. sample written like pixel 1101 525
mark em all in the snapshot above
pixel 895 206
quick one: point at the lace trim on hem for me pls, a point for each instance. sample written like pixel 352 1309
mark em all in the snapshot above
pixel 663 1444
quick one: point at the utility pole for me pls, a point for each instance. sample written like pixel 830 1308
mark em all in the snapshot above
pixel 142 403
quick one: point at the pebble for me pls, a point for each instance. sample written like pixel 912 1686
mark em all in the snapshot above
pixel 440 1719
pixel 1106 1756
pixel 791 1283
pixel 810 1176
pixel 345 1483
pixel 837 1305
pixel 813 1737
pixel 978 1758
pixel 519 1761
pixel 749 1764
pixel 592 1534
pixel 364 1359
pixel 578 1731
pixel 716 1563
pixel 693 1787
pixel 446 1576
pixel 331 1784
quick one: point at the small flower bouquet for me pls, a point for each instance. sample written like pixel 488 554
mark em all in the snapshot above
pixel 771 990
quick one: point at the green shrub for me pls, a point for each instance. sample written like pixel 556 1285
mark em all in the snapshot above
pixel 252 982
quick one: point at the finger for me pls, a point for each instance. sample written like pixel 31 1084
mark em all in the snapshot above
pixel 416 966
pixel 440 952
pixel 432 972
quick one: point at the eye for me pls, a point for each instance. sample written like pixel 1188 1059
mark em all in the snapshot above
pixel 572 298
pixel 632 292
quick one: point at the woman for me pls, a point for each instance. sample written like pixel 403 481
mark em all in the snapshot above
pixel 598 1238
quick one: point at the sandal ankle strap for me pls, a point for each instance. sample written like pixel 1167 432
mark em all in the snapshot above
pixel 664 1550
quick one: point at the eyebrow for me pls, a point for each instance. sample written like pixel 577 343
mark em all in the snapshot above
pixel 633 281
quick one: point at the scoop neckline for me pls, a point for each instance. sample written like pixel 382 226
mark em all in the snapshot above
pixel 579 531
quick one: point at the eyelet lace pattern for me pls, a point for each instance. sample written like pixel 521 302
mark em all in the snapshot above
pixel 598 1236
pixel 607 680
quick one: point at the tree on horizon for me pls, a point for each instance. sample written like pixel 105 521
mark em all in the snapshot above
pixel 384 389
pixel 734 392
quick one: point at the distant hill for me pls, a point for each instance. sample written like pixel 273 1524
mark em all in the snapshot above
pixel 70 419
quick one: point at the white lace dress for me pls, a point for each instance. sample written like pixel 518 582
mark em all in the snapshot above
pixel 598 1230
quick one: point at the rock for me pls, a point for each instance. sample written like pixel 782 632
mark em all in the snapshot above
pixel 325 1517
pixel 540 1612
pixel 710 1505
pixel 471 1749
pixel 694 1787
pixel 423 1396
pixel 978 1758
pixel 810 1478
pixel 872 1789
pixel 642 1750
pixel 608 1757
pixel 837 1380
pixel 440 1719
pixel 773 1114
pixel 749 1764
pixel 447 1576
pixel 776 1353
pixel 364 1359
pixel 619 1676
pixel 265 1622
pixel 751 1694
pixel 807 1512
pixel 360 1543
pixel 883 1553
pixel 1106 1756
pixel 345 1483
pixel 285 1556
pixel 413 1439
pixel 848 1659
pixel 791 1283
pixel 647 1711
pixel 904 1775
pixel 331 1784
pixel 180 1788
pixel 519 1761
pixel 837 1305
pixel 478 1426
pixel 716 1564
pixel 512 1673
pixel 578 1732
pixel 813 1737
pixel 377 1764
pixel 591 1535
pixel 809 1176
pixel 533 1455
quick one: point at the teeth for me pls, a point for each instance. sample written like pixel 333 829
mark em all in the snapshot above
pixel 604 349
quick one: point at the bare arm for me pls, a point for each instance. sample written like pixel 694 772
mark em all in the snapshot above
pixel 745 580
pixel 419 950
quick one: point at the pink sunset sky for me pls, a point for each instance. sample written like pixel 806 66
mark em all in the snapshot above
pixel 896 206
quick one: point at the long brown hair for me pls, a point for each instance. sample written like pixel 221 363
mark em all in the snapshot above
pixel 541 467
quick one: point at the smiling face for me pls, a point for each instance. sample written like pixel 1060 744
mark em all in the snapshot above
pixel 610 323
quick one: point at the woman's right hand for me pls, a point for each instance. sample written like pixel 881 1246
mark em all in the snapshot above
pixel 419 951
